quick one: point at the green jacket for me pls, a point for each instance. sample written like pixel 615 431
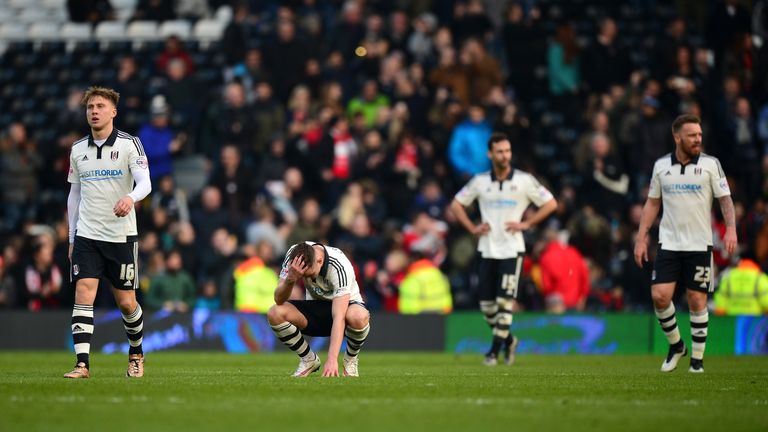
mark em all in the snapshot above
pixel 177 286
pixel 425 289
pixel 743 290
pixel 255 286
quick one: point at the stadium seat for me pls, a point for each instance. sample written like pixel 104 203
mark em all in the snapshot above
pixel 190 173
pixel 124 4
pixel 110 31
pixel 12 31
pixel 179 28
pixel 208 30
pixel 75 32
pixel 22 4
pixel 7 14
pixel 224 14
pixel 40 31
pixel 142 31
pixel 56 4
pixel 31 15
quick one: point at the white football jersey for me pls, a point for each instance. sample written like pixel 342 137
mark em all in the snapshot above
pixel 686 193
pixel 105 176
pixel 336 278
pixel 503 200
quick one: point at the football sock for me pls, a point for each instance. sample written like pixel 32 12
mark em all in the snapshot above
pixel 489 310
pixel 134 329
pixel 291 336
pixel 82 331
pixel 699 323
pixel 356 339
pixel 669 324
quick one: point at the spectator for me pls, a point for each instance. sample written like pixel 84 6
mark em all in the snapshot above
pixel 369 103
pixel 171 199
pixel 133 93
pixel 209 216
pixel 159 140
pixel 605 183
pixel 209 298
pixel 20 163
pixel 182 92
pixel 255 284
pixel 173 290
pixel 265 227
pixel 89 11
pixel 605 62
pixel 235 184
pixel 174 50
pixel 269 118
pixel 7 287
pixel 42 280
pixel 743 290
pixel 285 59
pixel 564 275
pixel 484 71
pixel 425 237
pixel 154 10
pixel 468 149
pixel 425 289
pixel 522 58
pixel 564 66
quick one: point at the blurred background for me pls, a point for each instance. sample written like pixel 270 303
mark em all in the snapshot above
pixel 350 122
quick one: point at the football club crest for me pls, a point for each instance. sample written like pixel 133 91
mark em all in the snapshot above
pixel 113 155
pixel 75 269
pixel 697 171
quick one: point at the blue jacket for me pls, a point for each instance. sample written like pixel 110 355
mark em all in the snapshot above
pixel 468 150
pixel 157 146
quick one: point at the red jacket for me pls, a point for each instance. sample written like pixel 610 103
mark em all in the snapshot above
pixel 564 271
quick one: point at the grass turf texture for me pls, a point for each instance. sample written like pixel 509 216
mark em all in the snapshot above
pixel 396 392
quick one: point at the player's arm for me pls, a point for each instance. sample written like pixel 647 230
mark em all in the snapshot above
pixel 290 273
pixel 650 211
pixel 729 216
pixel 461 215
pixel 541 214
pixel 73 213
pixel 139 167
pixel 338 312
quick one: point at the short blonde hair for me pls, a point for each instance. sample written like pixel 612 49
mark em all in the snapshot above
pixel 106 93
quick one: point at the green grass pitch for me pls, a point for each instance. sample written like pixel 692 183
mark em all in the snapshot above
pixel 396 392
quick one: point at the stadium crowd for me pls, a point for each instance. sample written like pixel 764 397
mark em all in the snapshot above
pixel 355 122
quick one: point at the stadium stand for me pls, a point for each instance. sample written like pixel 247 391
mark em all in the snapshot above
pixel 292 79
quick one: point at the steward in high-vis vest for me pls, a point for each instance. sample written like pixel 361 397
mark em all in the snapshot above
pixel 254 286
pixel 743 290
pixel 425 289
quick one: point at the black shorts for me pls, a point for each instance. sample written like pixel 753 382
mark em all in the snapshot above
pixel 114 261
pixel 318 314
pixel 691 270
pixel 499 277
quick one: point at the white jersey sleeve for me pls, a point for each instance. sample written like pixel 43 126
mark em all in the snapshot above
pixel 286 264
pixel 719 181
pixel 74 173
pixel 654 190
pixel 537 193
pixel 469 192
